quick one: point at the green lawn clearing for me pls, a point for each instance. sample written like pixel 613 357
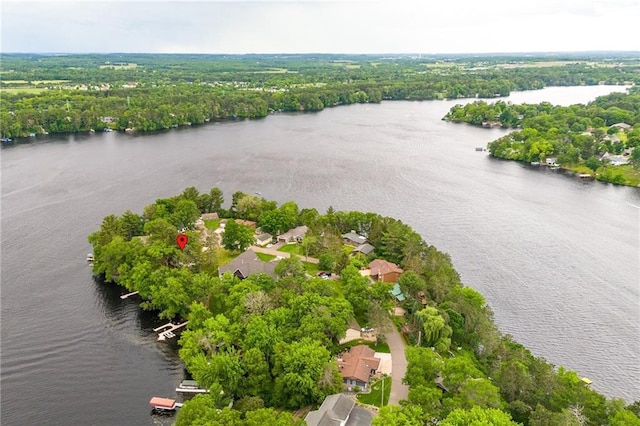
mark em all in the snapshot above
pixel 375 396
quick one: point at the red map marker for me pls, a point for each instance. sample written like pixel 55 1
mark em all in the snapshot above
pixel 182 241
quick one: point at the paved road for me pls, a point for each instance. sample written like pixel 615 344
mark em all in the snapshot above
pixel 274 252
pixel 399 390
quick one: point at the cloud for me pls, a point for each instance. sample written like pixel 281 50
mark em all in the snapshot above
pixel 357 26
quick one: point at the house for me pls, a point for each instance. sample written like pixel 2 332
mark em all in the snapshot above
pixel 357 365
pixel 339 410
pixel 264 239
pixel 294 235
pixel 247 264
pixel 614 139
pixel 209 216
pixel 618 160
pixel 353 239
pixel 365 249
pixel 381 270
pixel 621 126
pixel 397 293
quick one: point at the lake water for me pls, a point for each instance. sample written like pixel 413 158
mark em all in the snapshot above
pixel 556 257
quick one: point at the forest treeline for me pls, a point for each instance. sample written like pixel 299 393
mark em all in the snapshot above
pixel 265 346
pixel 77 93
pixel 594 138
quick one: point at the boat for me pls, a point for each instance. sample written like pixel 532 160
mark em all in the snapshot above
pixel 190 386
pixel 6 139
pixel 90 257
pixel 164 404
pixel 107 130
pixel 535 163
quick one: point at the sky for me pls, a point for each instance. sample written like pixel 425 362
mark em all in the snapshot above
pixel 320 26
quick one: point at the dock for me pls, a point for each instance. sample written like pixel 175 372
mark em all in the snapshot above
pixel 190 386
pixel 585 176
pixel 166 330
pixel 124 296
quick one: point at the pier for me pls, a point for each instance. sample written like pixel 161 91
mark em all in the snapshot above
pixel 124 296
pixel 166 330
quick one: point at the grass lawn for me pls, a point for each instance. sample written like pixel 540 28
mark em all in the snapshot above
pixel 375 396
pixel 378 347
pixel 265 257
pixel 347 248
pixel 225 256
pixel 291 248
pixel 212 224
pixel 311 268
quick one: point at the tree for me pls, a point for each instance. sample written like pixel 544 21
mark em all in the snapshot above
pixel 593 163
pixel 236 236
pixel 478 417
pixel 274 222
pixel 216 198
pixel 411 284
pixel 395 415
pixel 635 158
pixel 290 267
pixel 436 331
pixel 298 367
pixel 185 214
pixel 132 224
pixel 326 261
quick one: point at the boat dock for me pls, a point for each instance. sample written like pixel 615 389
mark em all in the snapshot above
pixel 190 386
pixel 124 296
pixel 166 330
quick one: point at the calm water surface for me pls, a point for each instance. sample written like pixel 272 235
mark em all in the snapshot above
pixel 556 258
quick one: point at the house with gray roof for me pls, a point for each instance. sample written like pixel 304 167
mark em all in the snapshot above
pixel 354 239
pixel 365 249
pixel 247 264
pixel 294 235
pixel 339 410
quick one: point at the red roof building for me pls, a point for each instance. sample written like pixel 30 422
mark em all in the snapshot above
pixel 381 270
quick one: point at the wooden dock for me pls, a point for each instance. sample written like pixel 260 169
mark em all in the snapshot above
pixel 168 330
pixel 124 296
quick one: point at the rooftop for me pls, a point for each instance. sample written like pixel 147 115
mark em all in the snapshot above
pixel 382 267
pixel 248 263
pixel 358 362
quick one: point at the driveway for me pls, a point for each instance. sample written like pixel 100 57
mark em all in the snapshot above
pixel 273 251
pixel 399 390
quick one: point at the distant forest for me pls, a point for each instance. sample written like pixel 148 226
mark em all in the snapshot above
pixel 78 93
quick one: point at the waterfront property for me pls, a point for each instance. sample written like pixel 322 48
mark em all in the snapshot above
pixel 381 270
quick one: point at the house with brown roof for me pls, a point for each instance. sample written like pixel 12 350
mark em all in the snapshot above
pixel 248 263
pixel 357 365
pixel 209 216
pixel 381 270
pixel 249 223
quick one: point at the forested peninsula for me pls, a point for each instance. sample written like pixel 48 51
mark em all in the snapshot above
pixel 268 342
pixel 81 93
pixel 597 140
